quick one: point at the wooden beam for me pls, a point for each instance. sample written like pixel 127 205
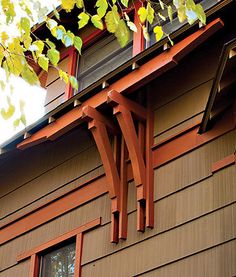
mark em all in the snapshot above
pixel 101 138
pixel 89 113
pixel 114 98
pixel 126 123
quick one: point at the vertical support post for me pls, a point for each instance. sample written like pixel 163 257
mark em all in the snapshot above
pixel 34 266
pixel 149 165
pixel 123 220
pixel 78 254
pixel 138 39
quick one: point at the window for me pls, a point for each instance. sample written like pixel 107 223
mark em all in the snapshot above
pixel 60 257
pixel 101 58
pixel 59 263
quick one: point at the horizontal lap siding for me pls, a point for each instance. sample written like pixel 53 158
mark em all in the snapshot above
pixel 55 170
pixel 42 158
pixel 170 212
pixel 181 109
pixel 215 262
pixel 21 270
pixel 51 180
pixel 193 166
pixel 99 207
pixel 204 232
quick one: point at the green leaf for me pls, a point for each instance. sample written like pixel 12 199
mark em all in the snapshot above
pixel 83 19
pixel 170 13
pixel 150 13
pixel 112 19
pixel 74 82
pixel 78 43
pixel 181 13
pixel 16 123
pixel 142 12
pixel 97 22
pixel 145 33
pixel 51 23
pixel 113 2
pixel 122 33
pixel 158 32
pixel 102 6
pixel 80 4
pixel 54 56
pixel 25 25
pixel 63 76
pixel 23 119
pixel 60 32
pixel 68 39
pixel 6 114
pixel 40 46
pixel 200 14
pixel 43 62
pixel 162 5
pixel 125 3
pixel 68 5
pixel 50 44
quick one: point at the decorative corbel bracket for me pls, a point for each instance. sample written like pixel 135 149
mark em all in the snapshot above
pixel 113 165
pixel 125 109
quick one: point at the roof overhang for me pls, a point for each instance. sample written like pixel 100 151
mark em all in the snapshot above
pixel 127 84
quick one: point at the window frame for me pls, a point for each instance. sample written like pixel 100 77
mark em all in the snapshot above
pixel 35 253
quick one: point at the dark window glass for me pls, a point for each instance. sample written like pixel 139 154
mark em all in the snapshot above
pixel 59 263
pixel 100 59
pixel 169 27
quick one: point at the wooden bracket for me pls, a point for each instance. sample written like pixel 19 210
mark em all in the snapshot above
pixel 123 108
pixel 117 184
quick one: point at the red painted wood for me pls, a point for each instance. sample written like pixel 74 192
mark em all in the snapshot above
pixel 34 266
pixel 83 228
pixel 128 83
pixel 101 138
pixel 123 217
pixel 190 140
pixel 54 209
pixel 115 98
pixel 78 254
pixel 126 123
pixel 138 39
pixel 229 160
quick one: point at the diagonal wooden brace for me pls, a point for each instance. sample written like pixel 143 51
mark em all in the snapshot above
pixel 126 123
pixel 98 124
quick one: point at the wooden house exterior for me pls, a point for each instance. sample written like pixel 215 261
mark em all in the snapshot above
pixel 136 172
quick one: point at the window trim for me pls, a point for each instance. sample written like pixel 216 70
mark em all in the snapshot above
pixel 34 254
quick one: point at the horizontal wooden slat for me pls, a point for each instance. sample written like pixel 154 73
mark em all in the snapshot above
pixel 167 247
pixel 53 73
pixel 9 251
pixel 20 270
pixel 171 212
pixel 55 209
pixel 218 261
pixel 41 159
pixel 231 159
pixel 50 181
pixel 182 108
pixel 87 226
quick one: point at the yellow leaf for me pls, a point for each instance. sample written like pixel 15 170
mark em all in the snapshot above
pixel 158 32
